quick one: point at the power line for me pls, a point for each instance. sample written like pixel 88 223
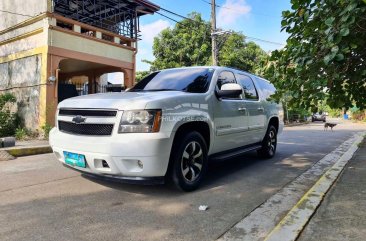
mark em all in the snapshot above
pixel 265 41
pixel 176 14
pixel 20 14
pixel 248 37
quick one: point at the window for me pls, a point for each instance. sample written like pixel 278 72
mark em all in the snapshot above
pixel 193 80
pixel 267 88
pixel 249 89
pixel 224 78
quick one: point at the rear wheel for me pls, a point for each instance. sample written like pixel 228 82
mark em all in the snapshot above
pixel 189 161
pixel 269 143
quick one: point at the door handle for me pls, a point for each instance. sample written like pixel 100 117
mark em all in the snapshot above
pixel 260 109
pixel 242 109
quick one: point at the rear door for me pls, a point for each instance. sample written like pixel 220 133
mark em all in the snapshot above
pixel 255 109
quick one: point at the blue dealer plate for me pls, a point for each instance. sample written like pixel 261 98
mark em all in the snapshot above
pixel 74 159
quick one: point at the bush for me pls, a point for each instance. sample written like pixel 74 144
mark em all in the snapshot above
pixel 21 133
pixel 8 120
pixel 46 130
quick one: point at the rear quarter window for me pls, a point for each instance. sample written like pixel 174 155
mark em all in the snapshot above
pixel 268 89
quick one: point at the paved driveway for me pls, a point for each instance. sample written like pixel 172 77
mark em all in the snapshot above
pixel 42 200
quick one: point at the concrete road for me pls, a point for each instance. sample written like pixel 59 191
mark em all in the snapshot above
pixel 42 200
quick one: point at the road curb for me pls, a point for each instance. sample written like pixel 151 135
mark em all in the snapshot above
pixel 289 228
pixel 29 151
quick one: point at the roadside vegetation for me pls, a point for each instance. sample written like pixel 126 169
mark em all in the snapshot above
pixel 11 125
pixel 322 68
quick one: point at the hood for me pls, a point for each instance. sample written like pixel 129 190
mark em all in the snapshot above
pixel 120 101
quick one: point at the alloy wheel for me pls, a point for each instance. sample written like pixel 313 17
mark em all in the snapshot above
pixel 192 161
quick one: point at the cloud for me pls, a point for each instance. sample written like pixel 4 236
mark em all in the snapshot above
pixel 148 32
pixel 151 30
pixel 231 11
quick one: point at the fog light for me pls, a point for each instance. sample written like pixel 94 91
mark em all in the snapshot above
pixel 139 163
pixel 105 164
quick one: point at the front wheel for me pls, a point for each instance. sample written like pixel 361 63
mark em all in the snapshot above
pixel 189 161
pixel 269 143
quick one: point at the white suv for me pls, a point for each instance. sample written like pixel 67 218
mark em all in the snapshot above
pixel 169 125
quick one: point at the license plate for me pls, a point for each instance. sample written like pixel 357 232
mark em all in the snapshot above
pixel 74 159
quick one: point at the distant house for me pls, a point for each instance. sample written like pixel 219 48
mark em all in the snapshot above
pixel 47 44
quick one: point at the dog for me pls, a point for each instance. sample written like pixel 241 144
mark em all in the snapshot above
pixel 331 125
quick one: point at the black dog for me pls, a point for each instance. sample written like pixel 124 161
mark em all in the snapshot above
pixel 331 125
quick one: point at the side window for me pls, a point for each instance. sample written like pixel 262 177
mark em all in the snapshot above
pixel 267 88
pixel 224 78
pixel 249 89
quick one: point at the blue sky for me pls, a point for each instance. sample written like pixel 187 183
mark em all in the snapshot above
pixel 255 18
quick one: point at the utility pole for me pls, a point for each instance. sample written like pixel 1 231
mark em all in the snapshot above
pixel 213 32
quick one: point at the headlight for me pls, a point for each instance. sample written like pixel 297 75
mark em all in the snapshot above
pixel 140 121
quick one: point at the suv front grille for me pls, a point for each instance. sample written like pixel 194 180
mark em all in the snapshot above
pixel 87 112
pixel 86 129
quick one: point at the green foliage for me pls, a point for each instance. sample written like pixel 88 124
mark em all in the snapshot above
pixel 8 120
pixel 357 114
pixel 242 55
pixel 189 44
pixel 46 130
pixel 21 133
pixel 140 75
pixel 324 58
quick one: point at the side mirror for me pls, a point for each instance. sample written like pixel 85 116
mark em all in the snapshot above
pixel 229 90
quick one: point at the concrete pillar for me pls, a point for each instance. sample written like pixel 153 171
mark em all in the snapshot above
pixel 129 77
pixel 76 28
pixel 117 40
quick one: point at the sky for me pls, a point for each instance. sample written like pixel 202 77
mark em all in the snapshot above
pixel 254 18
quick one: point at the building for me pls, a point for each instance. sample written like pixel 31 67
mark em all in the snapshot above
pixel 46 44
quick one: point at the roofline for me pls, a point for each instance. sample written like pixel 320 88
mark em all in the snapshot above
pixel 149 4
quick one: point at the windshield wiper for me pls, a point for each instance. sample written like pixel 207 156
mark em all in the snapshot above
pixel 162 90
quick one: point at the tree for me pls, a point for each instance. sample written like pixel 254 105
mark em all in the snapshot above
pixel 189 44
pixel 140 75
pixel 237 53
pixel 325 55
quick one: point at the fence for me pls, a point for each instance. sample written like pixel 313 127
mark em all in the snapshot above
pixel 83 89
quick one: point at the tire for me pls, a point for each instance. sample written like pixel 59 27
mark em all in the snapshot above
pixel 189 161
pixel 269 143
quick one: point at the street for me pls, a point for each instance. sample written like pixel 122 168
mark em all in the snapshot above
pixel 42 200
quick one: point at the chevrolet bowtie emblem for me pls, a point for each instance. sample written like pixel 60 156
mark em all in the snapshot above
pixel 78 119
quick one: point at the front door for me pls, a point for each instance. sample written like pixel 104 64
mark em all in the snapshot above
pixel 231 120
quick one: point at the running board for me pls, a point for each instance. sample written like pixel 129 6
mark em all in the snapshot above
pixel 234 153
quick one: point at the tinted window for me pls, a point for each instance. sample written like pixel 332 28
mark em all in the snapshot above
pixel 267 88
pixel 194 80
pixel 249 89
pixel 224 78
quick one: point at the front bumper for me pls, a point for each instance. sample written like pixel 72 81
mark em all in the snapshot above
pixel 122 152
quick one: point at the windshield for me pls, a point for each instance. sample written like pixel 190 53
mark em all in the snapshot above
pixel 193 80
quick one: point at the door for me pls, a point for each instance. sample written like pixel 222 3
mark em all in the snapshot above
pixel 255 109
pixel 230 115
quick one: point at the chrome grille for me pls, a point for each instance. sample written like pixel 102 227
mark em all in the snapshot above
pixel 87 112
pixel 86 128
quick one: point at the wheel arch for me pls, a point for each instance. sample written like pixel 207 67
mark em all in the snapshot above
pixel 274 120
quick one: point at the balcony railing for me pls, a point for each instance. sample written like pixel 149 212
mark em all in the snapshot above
pixel 77 28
